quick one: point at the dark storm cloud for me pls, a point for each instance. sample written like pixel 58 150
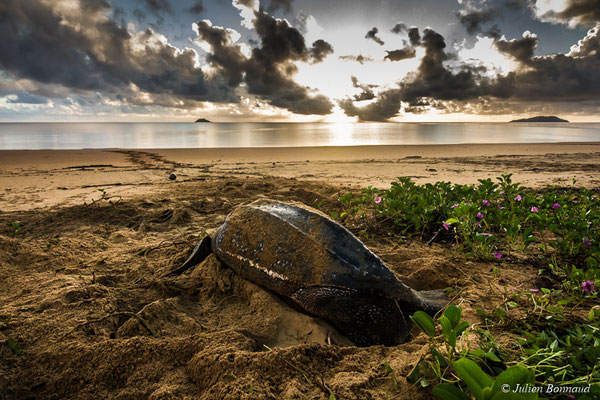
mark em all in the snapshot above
pixel 320 49
pixel 268 72
pixel 399 28
pixel 520 49
pixel 358 58
pixel 158 7
pixel 586 12
pixel 560 79
pixel 432 80
pixel 197 7
pixel 366 90
pixel 372 34
pixel 84 50
pixel 414 36
pixel 473 19
pixel 400 54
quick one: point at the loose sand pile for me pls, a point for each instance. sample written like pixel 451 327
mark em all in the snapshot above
pixel 83 298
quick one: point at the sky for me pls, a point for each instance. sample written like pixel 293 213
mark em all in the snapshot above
pixel 299 60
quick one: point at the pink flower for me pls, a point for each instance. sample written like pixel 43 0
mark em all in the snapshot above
pixel 497 255
pixel 502 192
pixel 500 207
pixel 518 198
pixel 487 234
pixel 534 209
pixel 446 226
pixel 589 287
pixel 534 290
pixel 478 224
pixel 454 205
pixel 587 241
pixel 377 199
pixel 479 215
pixel 555 206
pixel 486 203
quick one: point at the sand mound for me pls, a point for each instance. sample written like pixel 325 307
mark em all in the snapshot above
pixel 83 297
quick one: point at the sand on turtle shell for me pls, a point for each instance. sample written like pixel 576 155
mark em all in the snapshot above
pixel 83 297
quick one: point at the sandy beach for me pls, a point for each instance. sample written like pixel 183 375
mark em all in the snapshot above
pixel 87 235
pixel 41 178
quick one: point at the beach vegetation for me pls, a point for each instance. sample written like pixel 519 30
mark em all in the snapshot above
pixel 493 221
pixel 549 335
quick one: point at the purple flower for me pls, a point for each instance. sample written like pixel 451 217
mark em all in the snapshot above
pixel 468 204
pixel 377 199
pixel 478 224
pixel 486 203
pixel 446 226
pixel 487 234
pixel 479 215
pixel 589 287
pixel 587 241
pixel 534 209
pixel 497 255
pixel 518 198
pixel 454 205
pixel 555 206
pixel 502 192
pixel 500 207
pixel 534 290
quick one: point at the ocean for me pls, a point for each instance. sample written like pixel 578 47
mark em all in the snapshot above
pixel 35 136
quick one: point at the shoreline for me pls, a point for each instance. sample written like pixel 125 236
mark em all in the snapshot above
pixel 42 178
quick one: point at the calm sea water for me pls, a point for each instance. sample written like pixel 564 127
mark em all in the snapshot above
pixel 189 135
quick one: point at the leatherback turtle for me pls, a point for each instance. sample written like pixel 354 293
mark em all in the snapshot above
pixel 301 254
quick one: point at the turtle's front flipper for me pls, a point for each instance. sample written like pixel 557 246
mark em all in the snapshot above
pixel 200 252
pixel 435 299
pixel 365 319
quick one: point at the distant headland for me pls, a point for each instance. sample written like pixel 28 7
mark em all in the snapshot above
pixel 202 120
pixel 550 118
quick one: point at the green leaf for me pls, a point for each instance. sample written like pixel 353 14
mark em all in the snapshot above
pixel 491 356
pixel 461 327
pixel 446 327
pixel 473 376
pixel 512 304
pixel 451 221
pixel 331 396
pixel 446 391
pixel 517 374
pixel 425 322
pixel 453 313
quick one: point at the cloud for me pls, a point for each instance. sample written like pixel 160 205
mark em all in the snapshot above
pixel 400 54
pixel 473 19
pixel 585 12
pixel 431 81
pixel 320 49
pixel 399 28
pixel 285 5
pixel 157 7
pixel 414 36
pixel 268 72
pixel 197 7
pixel 366 90
pixel 358 58
pixel 26 98
pixel 82 49
pixel 372 34
pixel 520 49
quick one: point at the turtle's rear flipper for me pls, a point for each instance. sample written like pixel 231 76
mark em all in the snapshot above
pixel 199 254
pixel 435 299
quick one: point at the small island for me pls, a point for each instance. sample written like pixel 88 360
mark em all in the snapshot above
pixel 202 120
pixel 550 118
